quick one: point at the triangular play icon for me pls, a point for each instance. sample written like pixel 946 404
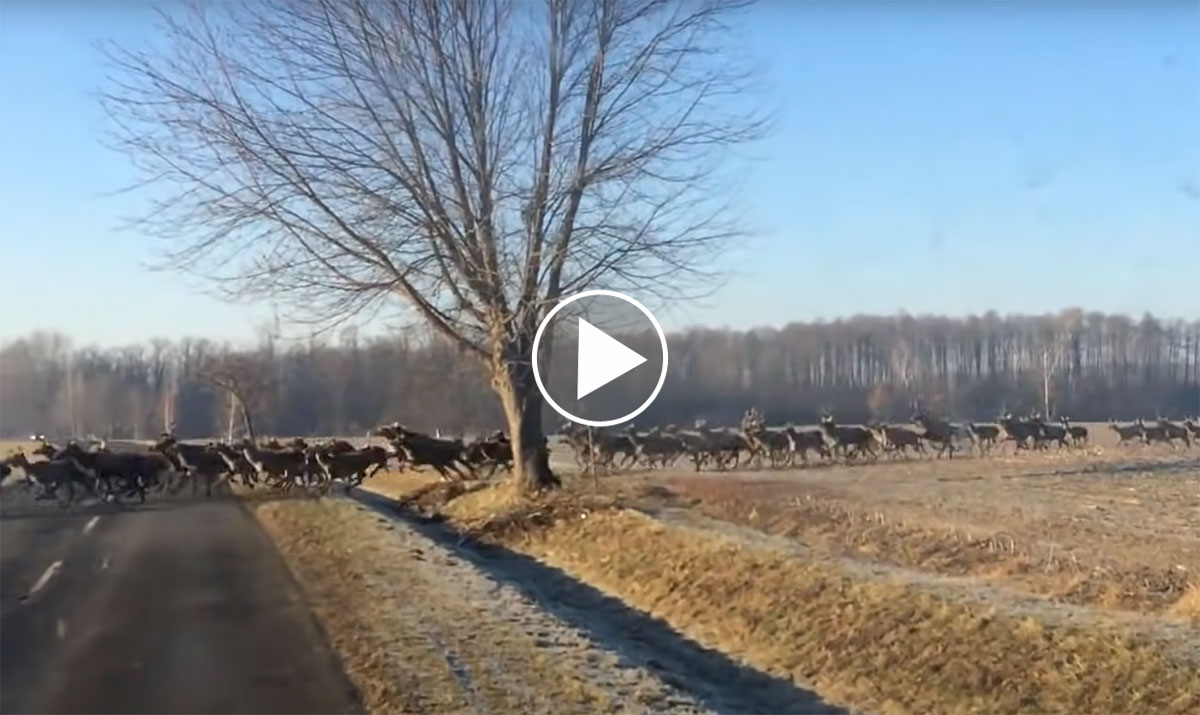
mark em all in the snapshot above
pixel 602 359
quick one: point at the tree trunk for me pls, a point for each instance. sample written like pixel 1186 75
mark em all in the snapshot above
pixel 512 379
pixel 246 420
pixel 168 412
pixel 233 405
pixel 1046 385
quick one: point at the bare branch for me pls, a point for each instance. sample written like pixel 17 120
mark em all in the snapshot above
pixel 474 159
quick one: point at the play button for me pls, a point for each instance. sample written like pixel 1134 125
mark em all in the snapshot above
pixel 601 358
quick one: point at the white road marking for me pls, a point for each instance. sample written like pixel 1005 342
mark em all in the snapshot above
pixel 104 564
pixel 91 524
pixel 45 578
pixel 60 629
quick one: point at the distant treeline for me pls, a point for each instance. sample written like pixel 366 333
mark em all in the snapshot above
pixel 1092 366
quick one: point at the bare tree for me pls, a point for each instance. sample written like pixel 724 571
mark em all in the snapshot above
pixel 1054 340
pixel 429 385
pixel 476 159
pixel 879 401
pixel 904 362
pixel 244 381
pixel 1051 356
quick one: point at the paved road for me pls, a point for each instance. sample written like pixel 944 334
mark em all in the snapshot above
pixel 172 608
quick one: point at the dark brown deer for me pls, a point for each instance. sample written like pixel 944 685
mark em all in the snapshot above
pixel 938 432
pixel 983 436
pixel 848 440
pixel 808 440
pixel 1125 433
pixel 1077 433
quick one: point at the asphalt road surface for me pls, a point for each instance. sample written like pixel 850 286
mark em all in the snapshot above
pixel 180 607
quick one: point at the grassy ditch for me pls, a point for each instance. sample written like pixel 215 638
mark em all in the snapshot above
pixel 868 643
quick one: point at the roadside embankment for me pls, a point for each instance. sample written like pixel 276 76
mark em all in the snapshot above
pixel 860 636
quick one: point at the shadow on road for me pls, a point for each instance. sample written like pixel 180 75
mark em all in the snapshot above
pixel 712 677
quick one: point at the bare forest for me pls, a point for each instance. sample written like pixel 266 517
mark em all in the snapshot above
pixel 1085 365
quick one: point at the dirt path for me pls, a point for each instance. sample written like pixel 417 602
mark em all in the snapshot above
pixel 424 626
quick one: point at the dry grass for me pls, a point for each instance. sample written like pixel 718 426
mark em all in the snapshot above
pixel 1108 527
pixel 1042 556
pixel 353 607
pixel 1188 606
pixel 8 447
pixel 406 637
pixel 399 485
pixel 481 509
pixel 869 643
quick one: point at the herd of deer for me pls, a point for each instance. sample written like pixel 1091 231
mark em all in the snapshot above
pixel 755 443
pixel 60 472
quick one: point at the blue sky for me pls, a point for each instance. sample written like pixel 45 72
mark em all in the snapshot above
pixel 935 157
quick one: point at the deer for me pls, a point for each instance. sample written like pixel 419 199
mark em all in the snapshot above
pixel 841 438
pixel 937 431
pixel 896 439
pixel 693 443
pixel 775 443
pixel 1175 431
pixel 1154 433
pixel 655 449
pixel 50 475
pixel 135 471
pixel 1077 433
pixel 983 436
pixel 1049 432
pixel 1125 433
pixel 723 446
pixel 351 468
pixel 194 460
pixel 444 455
pixel 493 451
pixel 236 464
pixel 1020 432
pixel 807 440
pixel 286 466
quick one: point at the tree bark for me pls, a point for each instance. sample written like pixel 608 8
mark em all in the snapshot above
pixel 234 388
pixel 1045 394
pixel 233 405
pixel 514 383
pixel 249 423
pixel 1046 384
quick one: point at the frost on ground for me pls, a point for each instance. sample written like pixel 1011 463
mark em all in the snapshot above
pixel 421 630
pixel 864 634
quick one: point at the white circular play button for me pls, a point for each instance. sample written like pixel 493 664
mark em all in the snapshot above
pixel 600 358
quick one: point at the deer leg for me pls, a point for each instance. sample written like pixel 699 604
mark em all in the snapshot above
pixel 70 495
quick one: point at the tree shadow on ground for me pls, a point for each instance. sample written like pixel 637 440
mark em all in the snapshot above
pixel 711 677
